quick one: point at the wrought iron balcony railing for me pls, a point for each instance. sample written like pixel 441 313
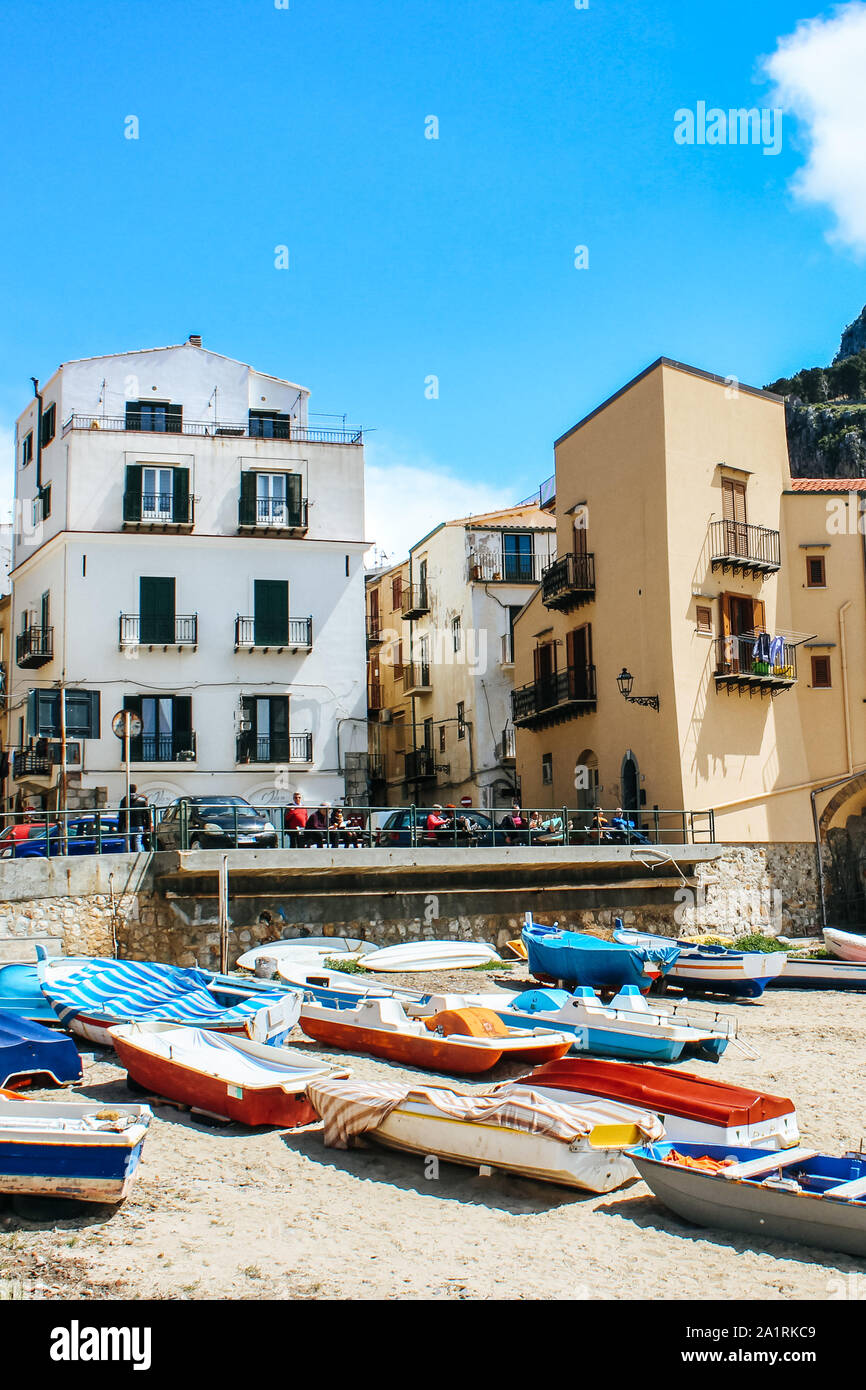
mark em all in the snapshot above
pixel 174 747
pixel 251 429
pixel 503 567
pixel 275 748
pixel 569 581
pixel 561 695
pixel 420 764
pixel 156 630
pixel 157 510
pixel 272 514
pixel 34 647
pixel 755 662
pixel 734 545
pixel 416 677
pixel 252 634
pixel 414 601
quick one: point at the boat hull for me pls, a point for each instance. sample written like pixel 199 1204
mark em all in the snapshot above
pixel 463 1058
pixel 21 996
pixel 821 974
pixel 599 1041
pixel 53 1162
pixel 845 945
pixel 767 1213
pixel 417 956
pixel 28 1050
pixel 416 1129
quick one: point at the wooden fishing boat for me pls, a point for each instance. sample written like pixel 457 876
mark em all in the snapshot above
pixel 627 1027
pixel 219 1074
pixel 29 1051
pixel 523 1133
pixel 709 969
pixel 572 958
pixel 58 1149
pixel 334 986
pixel 845 944
pixel 800 972
pixel 431 955
pixel 454 1040
pixel 693 1109
pixel 92 996
pixel 801 1195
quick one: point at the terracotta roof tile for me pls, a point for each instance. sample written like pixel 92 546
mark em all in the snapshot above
pixel 828 484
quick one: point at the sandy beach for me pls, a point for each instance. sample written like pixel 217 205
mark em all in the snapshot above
pixel 223 1212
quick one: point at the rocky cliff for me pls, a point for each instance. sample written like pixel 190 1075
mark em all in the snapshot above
pixel 825 411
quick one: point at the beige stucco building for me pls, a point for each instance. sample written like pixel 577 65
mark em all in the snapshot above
pixel 690 560
pixel 440 658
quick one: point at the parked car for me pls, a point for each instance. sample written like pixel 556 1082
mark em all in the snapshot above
pixel 81 837
pixel 476 829
pixel 213 822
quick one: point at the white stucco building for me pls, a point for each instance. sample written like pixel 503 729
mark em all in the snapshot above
pixel 189 546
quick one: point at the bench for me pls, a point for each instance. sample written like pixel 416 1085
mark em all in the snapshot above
pixel 758 1167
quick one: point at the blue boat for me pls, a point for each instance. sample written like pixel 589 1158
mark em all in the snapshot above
pixel 575 959
pixel 88 1152
pixel 91 996
pixel 713 969
pixel 21 993
pixel 28 1050
pixel 628 1027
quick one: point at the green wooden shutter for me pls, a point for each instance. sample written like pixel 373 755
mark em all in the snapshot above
pixel 182 724
pixel 94 714
pixel 293 499
pixel 180 495
pixel 173 419
pixel 132 493
pixel 247 505
pixel 156 608
pixel 271 612
pixel 33 714
pixel 133 702
pixel 279 729
pixel 133 415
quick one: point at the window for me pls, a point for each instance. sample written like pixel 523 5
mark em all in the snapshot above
pixel 704 619
pixel 82 714
pixel 455 634
pixel 397 593
pixel 547 769
pixel 27 449
pixel 271 612
pixel 398 661
pixel 156 598
pixel 428 735
pixel 166 734
pixel 815 572
pixel 49 425
pixel 734 516
pixel 157 495
pixel 461 720
pixel 400 732
pixel 517 558
pixel 821 673
pixel 441 738
pixel 269 424
pixel 157 417
pixel 270 499
pixel 264 736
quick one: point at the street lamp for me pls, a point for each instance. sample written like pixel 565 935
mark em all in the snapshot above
pixel 625 681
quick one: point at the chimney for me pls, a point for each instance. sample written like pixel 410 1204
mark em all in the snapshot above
pixel 195 340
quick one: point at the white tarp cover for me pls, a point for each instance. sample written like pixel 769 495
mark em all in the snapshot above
pixel 349 1108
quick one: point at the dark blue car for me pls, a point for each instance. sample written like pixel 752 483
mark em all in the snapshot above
pixel 82 837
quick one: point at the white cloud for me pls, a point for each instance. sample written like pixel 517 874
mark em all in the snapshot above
pixel 408 496
pixel 819 76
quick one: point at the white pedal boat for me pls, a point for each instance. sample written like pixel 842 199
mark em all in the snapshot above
pixel 431 955
pixel 845 944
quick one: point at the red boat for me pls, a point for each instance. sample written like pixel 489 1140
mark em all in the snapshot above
pixel 693 1109
pixel 463 1041
pixel 221 1074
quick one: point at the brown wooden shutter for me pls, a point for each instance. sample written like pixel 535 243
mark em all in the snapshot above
pixel 758 616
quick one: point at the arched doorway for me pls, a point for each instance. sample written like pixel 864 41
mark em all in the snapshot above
pixel 586 780
pixel 630 780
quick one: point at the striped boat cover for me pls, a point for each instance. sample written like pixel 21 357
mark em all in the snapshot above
pixel 125 991
pixel 353 1107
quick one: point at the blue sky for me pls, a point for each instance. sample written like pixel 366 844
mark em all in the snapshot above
pixel 410 257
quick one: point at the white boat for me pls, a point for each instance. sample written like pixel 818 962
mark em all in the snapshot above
pixel 306 950
pixel 517 1132
pixel 335 985
pixel 414 956
pixel 88 1152
pixel 802 973
pixel 845 945
pixel 709 969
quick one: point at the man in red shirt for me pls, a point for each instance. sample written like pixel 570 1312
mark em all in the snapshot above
pixel 295 821
pixel 435 822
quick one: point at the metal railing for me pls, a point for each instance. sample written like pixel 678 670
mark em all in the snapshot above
pixel 49 834
pixel 416 676
pixel 275 748
pixel 34 646
pixel 163 748
pixel 750 660
pixel 374 628
pixel 283 431
pixel 414 601
pixel 502 567
pixel 157 509
pixel 249 633
pixel 274 513
pixel 570 576
pixel 735 543
pixel 156 631
pixel 573 686
pixel 420 763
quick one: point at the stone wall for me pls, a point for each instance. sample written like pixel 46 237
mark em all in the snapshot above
pixel 83 911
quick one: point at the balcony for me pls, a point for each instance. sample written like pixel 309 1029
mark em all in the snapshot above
pixel 569 582
pixel 506 749
pixel 176 747
pixel 739 668
pixel 273 516
pixel 420 765
pixel 375 699
pixel 34 647
pixel 737 547
pixel 156 631
pixel 283 432
pixel 275 748
pixel 502 567
pixel 258 637
pixel 414 601
pixel 374 630
pixel 42 759
pixel 157 511
pixel 560 696
pixel 416 678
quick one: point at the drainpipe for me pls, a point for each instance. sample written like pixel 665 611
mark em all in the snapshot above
pixel 38 394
